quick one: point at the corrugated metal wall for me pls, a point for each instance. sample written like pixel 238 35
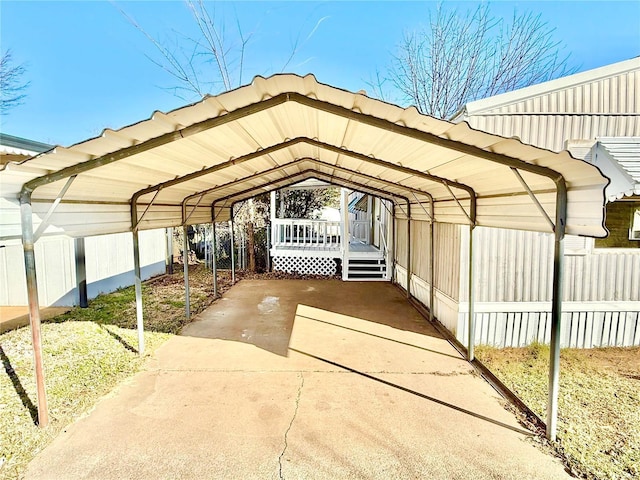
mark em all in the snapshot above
pixel 517 266
pixel 605 107
pixel 109 265
pixel 513 280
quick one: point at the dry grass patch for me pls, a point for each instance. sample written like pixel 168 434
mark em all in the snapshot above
pixel 87 352
pixel 599 403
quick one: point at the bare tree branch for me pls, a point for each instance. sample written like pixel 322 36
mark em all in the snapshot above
pixel 12 86
pixel 213 60
pixel 460 58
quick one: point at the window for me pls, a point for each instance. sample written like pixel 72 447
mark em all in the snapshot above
pixel 634 232
pixel 623 223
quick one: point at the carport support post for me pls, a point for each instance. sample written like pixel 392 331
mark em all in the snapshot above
pixel 214 261
pixel 233 250
pixel 408 250
pixel 26 219
pixel 472 324
pixel 556 308
pixel 138 284
pixel 393 242
pixel 556 315
pixel 432 274
pixel 185 260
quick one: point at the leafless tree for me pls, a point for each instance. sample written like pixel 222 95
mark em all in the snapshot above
pixel 12 84
pixel 210 62
pixel 213 59
pixel 460 58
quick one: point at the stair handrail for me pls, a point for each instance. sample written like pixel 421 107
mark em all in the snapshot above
pixel 382 237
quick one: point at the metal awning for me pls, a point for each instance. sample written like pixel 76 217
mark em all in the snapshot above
pixel 287 127
pixel 619 159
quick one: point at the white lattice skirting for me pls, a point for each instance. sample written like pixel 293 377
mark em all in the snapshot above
pixel 305 265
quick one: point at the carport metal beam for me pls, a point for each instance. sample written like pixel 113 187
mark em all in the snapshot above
pixel 316 162
pixel 332 148
pixel 314 174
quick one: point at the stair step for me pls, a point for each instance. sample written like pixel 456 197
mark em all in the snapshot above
pixel 363 276
pixel 367 268
pixel 359 261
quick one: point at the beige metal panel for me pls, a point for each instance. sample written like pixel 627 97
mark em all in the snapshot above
pixel 401 243
pixel 447 252
pixel 421 248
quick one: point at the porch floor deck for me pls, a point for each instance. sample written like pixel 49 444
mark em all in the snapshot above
pixel 323 250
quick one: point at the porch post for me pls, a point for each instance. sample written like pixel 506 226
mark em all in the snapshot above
pixel 185 260
pixel 138 287
pixel 471 321
pixel 81 273
pixel 556 310
pixel 26 218
pixel 344 234
pixel 408 249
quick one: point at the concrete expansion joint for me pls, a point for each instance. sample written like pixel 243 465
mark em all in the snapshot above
pixel 286 433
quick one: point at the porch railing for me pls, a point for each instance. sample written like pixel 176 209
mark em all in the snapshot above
pixel 295 232
pixel 360 230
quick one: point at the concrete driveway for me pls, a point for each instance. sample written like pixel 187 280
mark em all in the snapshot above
pixel 301 379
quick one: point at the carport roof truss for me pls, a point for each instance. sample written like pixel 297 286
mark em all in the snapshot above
pixel 286 127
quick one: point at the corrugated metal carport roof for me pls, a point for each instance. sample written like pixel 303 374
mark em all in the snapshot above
pixel 171 168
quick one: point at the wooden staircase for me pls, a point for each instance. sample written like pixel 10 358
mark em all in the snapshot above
pixel 367 268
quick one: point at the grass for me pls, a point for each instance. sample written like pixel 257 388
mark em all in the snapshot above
pixel 599 403
pixel 87 352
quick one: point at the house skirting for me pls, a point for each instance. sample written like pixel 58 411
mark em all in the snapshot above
pixel 517 324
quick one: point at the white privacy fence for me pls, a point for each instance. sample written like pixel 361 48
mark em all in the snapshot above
pixel 306 233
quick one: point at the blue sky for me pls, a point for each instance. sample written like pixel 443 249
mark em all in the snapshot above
pixel 88 69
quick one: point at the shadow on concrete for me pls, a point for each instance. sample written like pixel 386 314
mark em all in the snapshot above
pixel 413 392
pixel 263 312
pixel 17 385
pixel 315 319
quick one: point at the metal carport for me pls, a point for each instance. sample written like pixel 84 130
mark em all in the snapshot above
pixel 190 165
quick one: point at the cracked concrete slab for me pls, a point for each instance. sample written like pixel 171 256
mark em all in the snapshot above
pixel 301 379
